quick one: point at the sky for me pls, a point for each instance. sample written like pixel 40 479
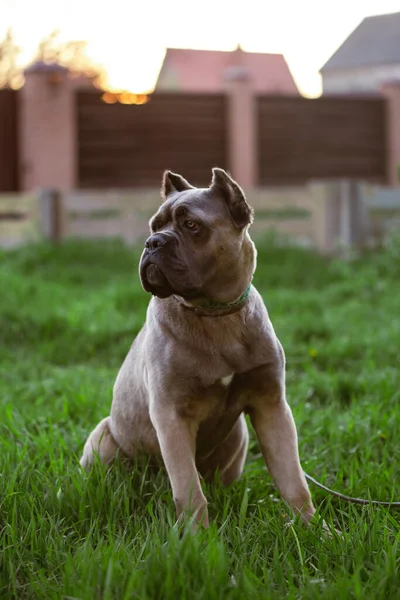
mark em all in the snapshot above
pixel 128 37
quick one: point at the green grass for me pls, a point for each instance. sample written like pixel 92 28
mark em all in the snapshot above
pixel 67 318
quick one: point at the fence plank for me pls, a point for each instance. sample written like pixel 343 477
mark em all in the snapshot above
pixel 130 146
pixel 19 219
pixel 126 214
pixel 324 138
pixel 9 141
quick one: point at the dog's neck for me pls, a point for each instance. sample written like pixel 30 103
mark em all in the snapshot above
pixel 212 308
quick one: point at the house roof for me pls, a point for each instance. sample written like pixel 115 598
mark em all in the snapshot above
pixel 376 41
pixel 204 70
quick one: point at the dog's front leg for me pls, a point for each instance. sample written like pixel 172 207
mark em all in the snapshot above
pixel 276 432
pixel 177 439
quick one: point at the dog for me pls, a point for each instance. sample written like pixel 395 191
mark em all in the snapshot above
pixel 206 356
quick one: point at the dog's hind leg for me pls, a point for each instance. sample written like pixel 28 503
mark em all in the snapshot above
pixel 100 442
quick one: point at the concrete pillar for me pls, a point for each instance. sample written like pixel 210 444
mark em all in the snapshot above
pixel 391 91
pixel 51 215
pixel 340 216
pixel 326 215
pixel 242 150
pixel 47 130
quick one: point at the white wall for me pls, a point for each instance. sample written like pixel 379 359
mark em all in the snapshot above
pixel 359 80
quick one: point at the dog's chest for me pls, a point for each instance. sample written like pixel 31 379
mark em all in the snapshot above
pixel 221 366
pixel 227 380
pixel 221 398
pixel 223 406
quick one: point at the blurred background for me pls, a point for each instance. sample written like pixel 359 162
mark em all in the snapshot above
pixel 301 103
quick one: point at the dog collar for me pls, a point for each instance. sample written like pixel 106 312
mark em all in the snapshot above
pixel 220 309
pixel 223 305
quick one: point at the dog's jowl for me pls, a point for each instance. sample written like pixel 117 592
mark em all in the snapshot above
pixel 206 355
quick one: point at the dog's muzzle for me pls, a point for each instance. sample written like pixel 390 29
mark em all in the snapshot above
pixel 154 256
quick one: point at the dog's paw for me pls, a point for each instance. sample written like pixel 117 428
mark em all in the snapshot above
pixel 330 532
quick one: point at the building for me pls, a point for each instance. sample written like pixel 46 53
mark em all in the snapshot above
pixel 186 70
pixel 367 59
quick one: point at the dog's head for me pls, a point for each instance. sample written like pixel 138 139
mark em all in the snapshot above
pixel 199 247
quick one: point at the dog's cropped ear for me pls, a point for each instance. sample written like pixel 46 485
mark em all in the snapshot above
pixel 172 182
pixel 241 212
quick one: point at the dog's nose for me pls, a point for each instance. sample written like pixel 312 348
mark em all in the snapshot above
pixel 155 241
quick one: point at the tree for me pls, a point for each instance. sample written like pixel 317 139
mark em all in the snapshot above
pixel 10 73
pixel 71 54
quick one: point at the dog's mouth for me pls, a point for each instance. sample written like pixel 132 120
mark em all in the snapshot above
pixel 153 279
pixel 155 276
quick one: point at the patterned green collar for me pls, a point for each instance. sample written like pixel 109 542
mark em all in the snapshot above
pixel 225 305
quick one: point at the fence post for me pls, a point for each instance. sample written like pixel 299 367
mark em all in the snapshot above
pixel 326 216
pixel 47 128
pixel 354 214
pixel 391 91
pixel 341 217
pixel 51 215
pixel 242 147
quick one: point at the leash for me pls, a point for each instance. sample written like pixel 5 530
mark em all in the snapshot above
pixel 349 498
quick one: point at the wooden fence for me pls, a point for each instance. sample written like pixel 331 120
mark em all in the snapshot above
pixel 325 138
pixel 319 214
pixel 9 159
pixel 383 207
pixel 20 219
pixel 125 146
pixel 298 139
pixel 125 215
pixel 128 146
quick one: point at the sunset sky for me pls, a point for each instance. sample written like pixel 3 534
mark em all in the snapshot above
pixel 129 37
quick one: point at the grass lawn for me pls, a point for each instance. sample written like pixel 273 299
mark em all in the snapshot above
pixel 67 318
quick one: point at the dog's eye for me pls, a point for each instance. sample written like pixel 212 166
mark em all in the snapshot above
pixel 191 225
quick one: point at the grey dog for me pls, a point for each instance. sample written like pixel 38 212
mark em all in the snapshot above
pixel 206 355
